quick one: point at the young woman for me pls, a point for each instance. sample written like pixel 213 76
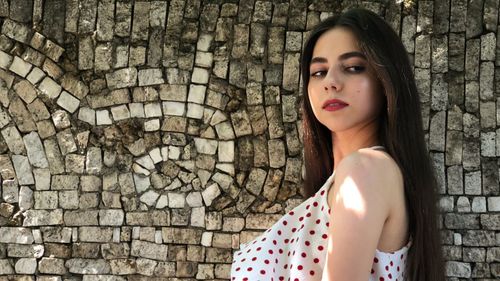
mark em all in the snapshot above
pixel 362 125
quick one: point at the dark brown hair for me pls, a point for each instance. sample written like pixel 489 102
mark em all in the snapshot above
pixel 400 132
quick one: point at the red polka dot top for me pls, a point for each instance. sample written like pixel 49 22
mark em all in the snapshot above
pixel 294 248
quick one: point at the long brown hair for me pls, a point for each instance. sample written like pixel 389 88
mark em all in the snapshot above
pixel 400 132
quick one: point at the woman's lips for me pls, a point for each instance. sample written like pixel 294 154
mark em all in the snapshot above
pixel 334 107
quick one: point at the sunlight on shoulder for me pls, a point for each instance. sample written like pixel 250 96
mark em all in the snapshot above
pixel 350 197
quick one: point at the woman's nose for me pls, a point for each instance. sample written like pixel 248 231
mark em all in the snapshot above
pixel 332 82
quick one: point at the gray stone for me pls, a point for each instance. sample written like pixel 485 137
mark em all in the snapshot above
pixel 17 235
pixel 54 157
pixel 26 91
pixel 23 170
pixel 45 199
pixel 35 151
pixel 88 266
pixel 13 139
pixel 16 31
pixel 26 266
pixel 21 115
pixel 50 88
pixel 51 265
pixel 122 78
pixel 149 197
pixel 68 102
pixel 210 193
pixel 111 217
pixel 113 98
pixel 43 217
pixel 68 199
pixel 149 250
pixel 151 76
pixel 66 141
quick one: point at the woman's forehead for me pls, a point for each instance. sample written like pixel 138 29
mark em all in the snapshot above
pixel 335 42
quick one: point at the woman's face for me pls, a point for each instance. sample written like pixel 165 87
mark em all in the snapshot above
pixel 338 70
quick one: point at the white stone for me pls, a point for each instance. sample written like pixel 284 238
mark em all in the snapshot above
pixel 120 112
pixel 149 197
pixel 223 180
pixel 152 110
pixel 50 88
pixel 5 267
pixel 197 93
pixel 35 150
pixel 5 60
pixel 26 266
pixel 173 108
pixel 37 236
pixel 61 119
pixel 68 102
pixel 155 155
pixel 494 204
pixel 479 204
pixel 204 42
pixel 206 239
pixel 195 111
pixel 146 162
pixel 226 151
pixel 174 152
pixel 93 163
pixel 103 117
pixel 194 199
pixel 42 179
pixel 457 239
pixel 87 114
pixel 205 146
pixel 138 169
pixel 200 75
pixel 164 153
pixel 210 193
pixel 25 198
pixel 176 183
pixel 176 200
pixel 136 110
pixel 162 202
pixel 226 167
pixel 16 235
pixel 113 217
pixel 23 170
pixel 204 59
pixel 152 125
pixel 141 183
pixel 158 237
pixel 35 75
pixel 20 67
pixel 198 217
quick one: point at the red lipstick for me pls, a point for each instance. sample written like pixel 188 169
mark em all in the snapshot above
pixel 334 104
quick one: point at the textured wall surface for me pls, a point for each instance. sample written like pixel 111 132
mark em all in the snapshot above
pixel 147 140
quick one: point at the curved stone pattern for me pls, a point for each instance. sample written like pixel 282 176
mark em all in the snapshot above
pixel 149 139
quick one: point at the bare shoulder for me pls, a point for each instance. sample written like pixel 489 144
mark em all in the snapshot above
pixel 371 166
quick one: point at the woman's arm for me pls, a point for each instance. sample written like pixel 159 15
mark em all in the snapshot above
pixel 360 207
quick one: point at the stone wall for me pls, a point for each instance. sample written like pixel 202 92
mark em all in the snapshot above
pixel 147 140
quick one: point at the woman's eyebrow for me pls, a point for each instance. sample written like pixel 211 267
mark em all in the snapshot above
pixel 344 56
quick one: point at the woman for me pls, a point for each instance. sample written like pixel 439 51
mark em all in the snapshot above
pixel 362 124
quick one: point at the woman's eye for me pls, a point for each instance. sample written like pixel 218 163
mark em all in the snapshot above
pixel 317 73
pixel 355 68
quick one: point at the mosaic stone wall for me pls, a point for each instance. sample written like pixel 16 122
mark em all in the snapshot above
pixel 147 140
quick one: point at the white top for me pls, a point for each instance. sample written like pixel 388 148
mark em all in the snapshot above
pixel 294 248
